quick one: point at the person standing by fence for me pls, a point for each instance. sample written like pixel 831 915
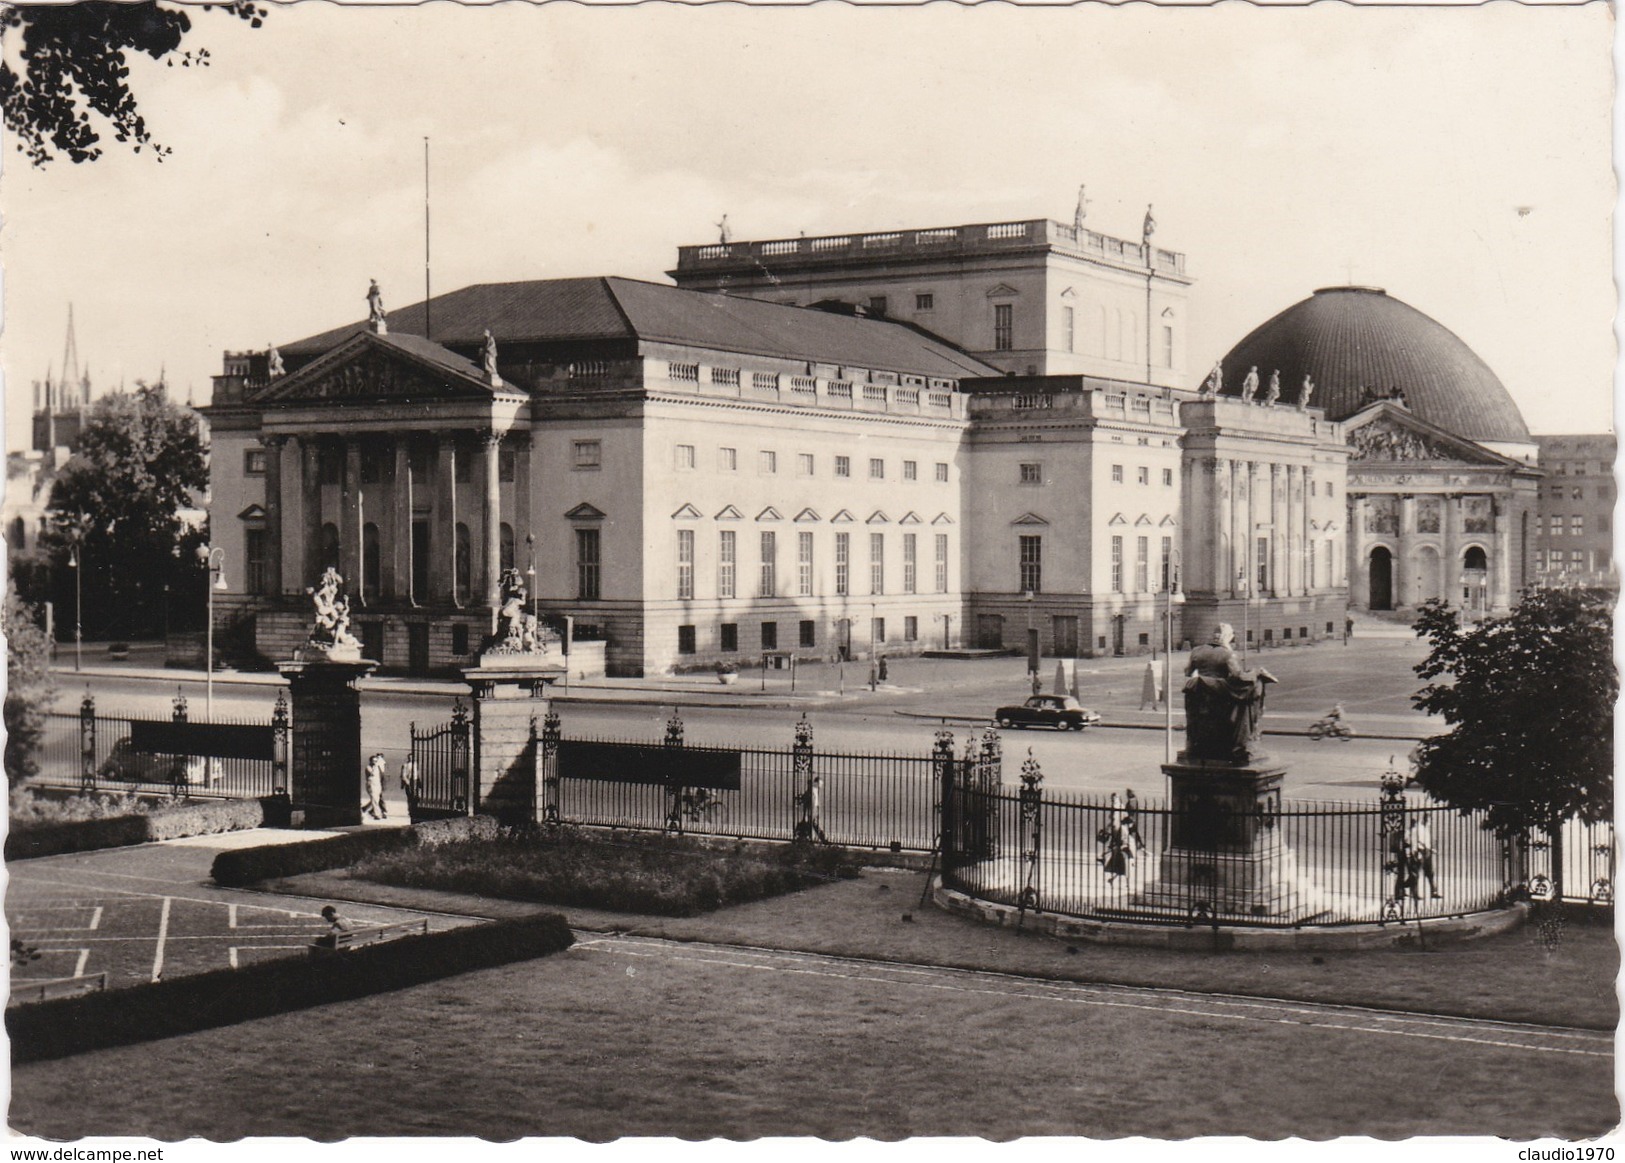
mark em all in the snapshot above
pixel 411 783
pixel 1419 842
pixel 375 806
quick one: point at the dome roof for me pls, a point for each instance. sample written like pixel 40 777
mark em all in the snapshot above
pixel 1350 339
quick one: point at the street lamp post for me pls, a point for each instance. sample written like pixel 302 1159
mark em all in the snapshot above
pixel 214 562
pixel 1175 597
pixel 78 604
pixel 530 574
pixel 1246 602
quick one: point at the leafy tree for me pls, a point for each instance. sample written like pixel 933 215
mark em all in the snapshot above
pixel 73 63
pixel 30 688
pixel 1530 703
pixel 117 506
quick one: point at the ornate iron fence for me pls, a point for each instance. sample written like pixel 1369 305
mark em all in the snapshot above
pixel 436 781
pixel 90 751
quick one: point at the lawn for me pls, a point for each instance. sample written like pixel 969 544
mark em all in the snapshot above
pixel 596 1045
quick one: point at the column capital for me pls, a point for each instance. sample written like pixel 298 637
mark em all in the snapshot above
pixel 491 438
pixel 274 441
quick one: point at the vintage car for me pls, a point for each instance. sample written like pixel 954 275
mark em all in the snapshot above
pixel 1063 712
pixel 132 766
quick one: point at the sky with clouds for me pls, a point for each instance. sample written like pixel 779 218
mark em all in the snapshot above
pixel 1459 158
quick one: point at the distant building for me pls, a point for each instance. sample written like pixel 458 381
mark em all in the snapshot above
pixel 57 418
pixel 1574 539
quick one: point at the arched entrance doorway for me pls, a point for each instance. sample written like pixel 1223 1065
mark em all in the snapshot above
pixel 1429 575
pixel 1475 581
pixel 1381 579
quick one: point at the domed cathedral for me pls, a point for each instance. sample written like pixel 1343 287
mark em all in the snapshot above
pixel 1442 484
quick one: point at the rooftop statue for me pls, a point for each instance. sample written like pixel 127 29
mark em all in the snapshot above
pixel 1308 390
pixel 1274 392
pixel 273 362
pixel 1081 212
pixel 375 304
pixel 1249 386
pixel 1223 703
pixel 490 357
pixel 1214 384
pixel 1147 229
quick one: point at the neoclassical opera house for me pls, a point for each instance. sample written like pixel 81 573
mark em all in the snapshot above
pixel 1442 483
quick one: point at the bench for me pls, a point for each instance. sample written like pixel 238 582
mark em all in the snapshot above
pixel 372 935
pixel 47 988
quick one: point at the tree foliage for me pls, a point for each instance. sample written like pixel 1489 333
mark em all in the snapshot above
pixel 30 688
pixel 72 61
pixel 117 505
pixel 1530 703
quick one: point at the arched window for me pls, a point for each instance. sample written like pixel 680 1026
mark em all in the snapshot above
pixel 506 543
pixel 372 581
pixel 465 564
pixel 329 555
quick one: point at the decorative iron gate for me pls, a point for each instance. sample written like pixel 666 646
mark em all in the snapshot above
pixel 437 783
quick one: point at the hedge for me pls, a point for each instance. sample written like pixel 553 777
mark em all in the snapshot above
pixel 251 865
pixel 193 819
pixel 224 997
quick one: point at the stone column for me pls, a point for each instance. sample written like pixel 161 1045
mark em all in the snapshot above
pixel 523 450
pixel 443 544
pixel 400 583
pixel 310 564
pixel 1449 555
pixel 1278 531
pixel 1501 563
pixel 1354 564
pixel 349 527
pixel 1217 474
pixel 1404 579
pixel 273 514
pixel 1306 484
pixel 1240 492
pixel 491 524
pixel 1250 533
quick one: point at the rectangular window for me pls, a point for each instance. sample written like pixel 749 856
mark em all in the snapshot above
pixel 730 637
pixel 1540 560
pixel 254 462
pixel 877 563
pixel 877 304
pixel 1309 562
pixel 727 559
pixel 804 464
pixel 908 563
pixel 942 473
pixel 1004 327
pixel 685 640
pixel 1263 564
pixel 1032 565
pixel 843 563
pixel 804 564
pixel 769 463
pixel 254 553
pixel 1540 525
pixel 1168 579
pixel 1117 474
pixel 1032 474
pixel 1142 475
pixel 942 563
pixel 1330 580
pixel 1577 526
pixel 843 466
pixel 925 302
pixel 770 565
pixel 770 635
pixel 911 628
pixel 1577 559
pixel 809 630
pixel 1557 526
pixel 1167 477
pixel 685 457
pixel 587 564
pixel 1142 564
pixel 1068 329
pixel 1167 346
pixel 685 563
pixel 459 638
pixel 727 460
pixel 911 470
pixel 877 469
pixel 1117 565
pixel 588 454
pixel 877 631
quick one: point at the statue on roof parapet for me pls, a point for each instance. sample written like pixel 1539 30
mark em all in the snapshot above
pixel 1307 391
pixel 273 363
pixel 1249 386
pixel 490 359
pixel 1274 391
pixel 1214 384
pixel 375 309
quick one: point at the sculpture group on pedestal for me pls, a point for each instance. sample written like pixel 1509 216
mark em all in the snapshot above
pixel 330 637
pixel 517 632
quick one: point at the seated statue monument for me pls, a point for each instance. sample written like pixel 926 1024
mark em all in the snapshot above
pixel 1223 704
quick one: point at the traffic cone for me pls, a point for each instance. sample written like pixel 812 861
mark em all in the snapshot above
pixel 1148 689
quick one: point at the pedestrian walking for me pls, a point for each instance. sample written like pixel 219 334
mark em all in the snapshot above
pixel 375 806
pixel 811 802
pixel 1419 842
pixel 411 783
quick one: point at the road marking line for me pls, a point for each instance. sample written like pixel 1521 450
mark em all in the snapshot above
pixel 79 966
pixel 96 918
pixel 231 923
pixel 163 935
pixel 231 955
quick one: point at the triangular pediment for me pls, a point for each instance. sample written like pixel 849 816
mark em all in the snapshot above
pixel 842 518
pixel 942 519
pixel 769 514
pixel 729 513
pixel 1142 519
pixel 1385 433
pixel 1118 519
pixel 1003 291
pixel 585 512
pixel 878 518
pixel 1029 519
pixel 398 368
pixel 807 515
pixel 252 513
pixel 1167 519
pixel 909 518
pixel 687 513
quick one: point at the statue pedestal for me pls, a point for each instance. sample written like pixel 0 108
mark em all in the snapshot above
pixel 325 775
pixel 1224 854
pixel 509 693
